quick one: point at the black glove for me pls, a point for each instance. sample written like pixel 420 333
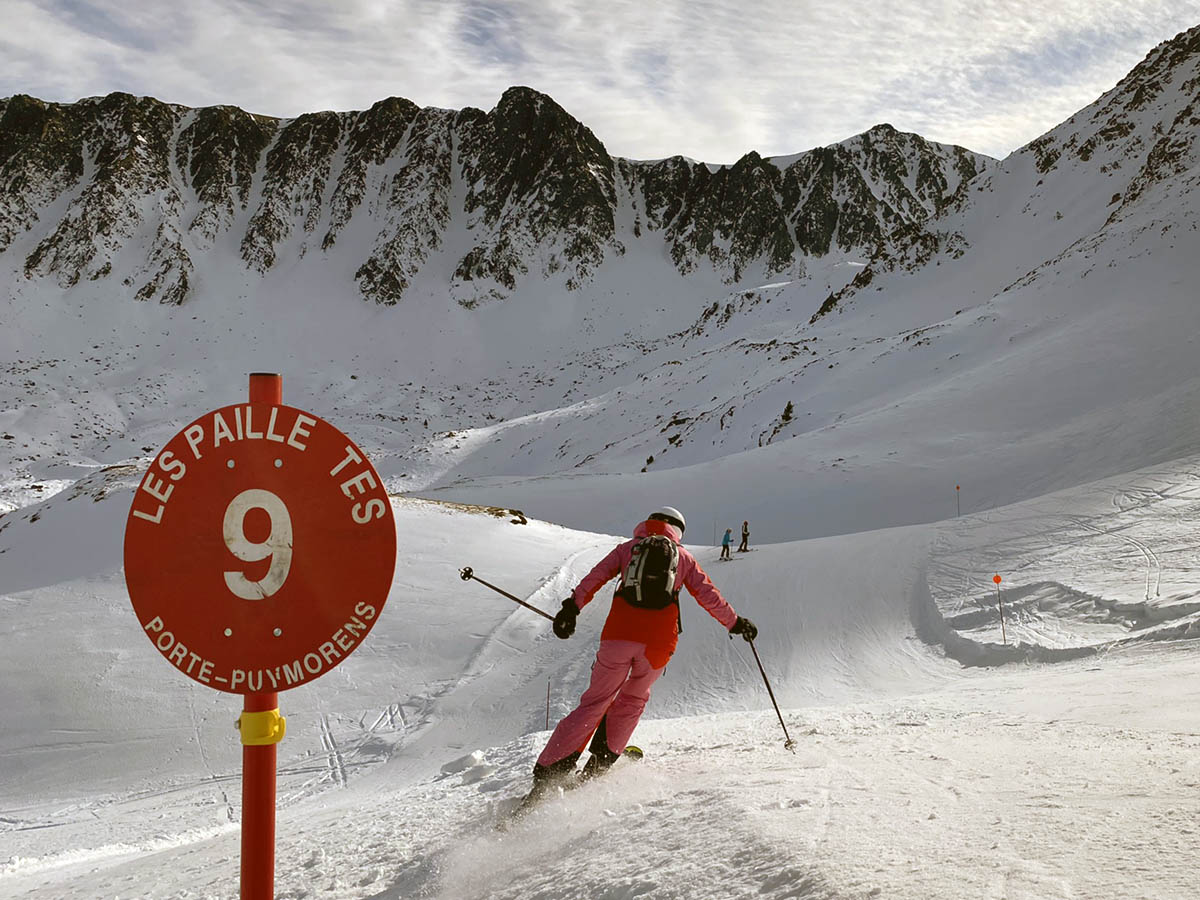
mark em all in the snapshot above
pixel 744 627
pixel 564 622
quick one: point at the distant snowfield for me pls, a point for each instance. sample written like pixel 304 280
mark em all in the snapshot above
pixel 914 776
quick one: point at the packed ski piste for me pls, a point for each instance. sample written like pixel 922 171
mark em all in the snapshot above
pixel 930 759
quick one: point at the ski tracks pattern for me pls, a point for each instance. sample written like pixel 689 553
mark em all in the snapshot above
pixel 1064 588
pixel 337 762
pixel 1153 563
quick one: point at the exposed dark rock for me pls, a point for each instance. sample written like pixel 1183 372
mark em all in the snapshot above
pixel 218 152
pixel 538 180
pixel 41 156
pixel 413 207
pixel 372 140
pixel 538 193
pixel 125 158
pixel 297 170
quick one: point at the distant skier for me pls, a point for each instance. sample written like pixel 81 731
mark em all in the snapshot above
pixel 639 636
pixel 742 548
pixel 725 542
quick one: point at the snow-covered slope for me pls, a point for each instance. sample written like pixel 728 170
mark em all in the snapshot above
pixel 1025 335
pixel 1020 332
pixel 1036 334
pixel 913 777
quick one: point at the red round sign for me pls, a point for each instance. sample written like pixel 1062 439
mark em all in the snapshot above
pixel 259 549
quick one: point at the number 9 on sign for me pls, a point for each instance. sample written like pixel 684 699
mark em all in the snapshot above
pixel 277 546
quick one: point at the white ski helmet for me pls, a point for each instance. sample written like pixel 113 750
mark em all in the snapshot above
pixel 671 516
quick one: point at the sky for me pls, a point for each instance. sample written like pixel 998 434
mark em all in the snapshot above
pixel 708 80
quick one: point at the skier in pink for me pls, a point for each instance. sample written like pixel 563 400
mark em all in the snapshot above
pixel 638 639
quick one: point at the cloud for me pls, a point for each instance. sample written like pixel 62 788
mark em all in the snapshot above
pixel 705 79
pixel 494 31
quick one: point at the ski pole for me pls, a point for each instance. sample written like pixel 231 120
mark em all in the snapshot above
pixel 788 743
pixel 467 574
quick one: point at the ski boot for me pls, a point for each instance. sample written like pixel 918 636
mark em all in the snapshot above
pixel 602 756
pixel 546 779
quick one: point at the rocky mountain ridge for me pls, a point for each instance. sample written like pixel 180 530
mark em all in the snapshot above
pixel 1129 157
pixel 1046 303
pixel 153 191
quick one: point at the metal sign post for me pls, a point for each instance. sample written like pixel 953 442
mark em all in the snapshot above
pixel 261 728
pixel 259 552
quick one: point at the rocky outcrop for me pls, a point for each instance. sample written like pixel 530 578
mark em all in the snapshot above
pixel 297 170
pixel 41 158
pixel 856 196
pixel 217 154
pixel 413 207
pixel 109 160
pixel 541 186
pixel 1136 143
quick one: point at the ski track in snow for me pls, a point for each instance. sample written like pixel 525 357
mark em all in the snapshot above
pixel 337 764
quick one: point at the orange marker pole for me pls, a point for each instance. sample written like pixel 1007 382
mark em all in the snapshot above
pixel 1003 634
pixel 259 759
pixel 957 502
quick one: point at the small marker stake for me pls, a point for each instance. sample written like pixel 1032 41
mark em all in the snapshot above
pixel 1003 634
pixel 957 502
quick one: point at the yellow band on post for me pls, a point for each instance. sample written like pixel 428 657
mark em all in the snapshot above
pixel 261 728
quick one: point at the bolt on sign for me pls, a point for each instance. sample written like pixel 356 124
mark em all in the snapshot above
pixel 259 548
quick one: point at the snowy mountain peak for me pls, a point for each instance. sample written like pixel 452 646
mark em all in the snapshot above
pixel 154 195
pixel 1153 107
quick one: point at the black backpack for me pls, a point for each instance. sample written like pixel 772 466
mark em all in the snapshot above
pixel 649 581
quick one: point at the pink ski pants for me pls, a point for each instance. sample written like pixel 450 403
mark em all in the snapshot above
pixel 620 687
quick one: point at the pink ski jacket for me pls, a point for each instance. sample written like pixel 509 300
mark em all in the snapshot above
pixel 658 629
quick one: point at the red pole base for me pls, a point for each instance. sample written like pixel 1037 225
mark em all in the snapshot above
pixel 258 810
